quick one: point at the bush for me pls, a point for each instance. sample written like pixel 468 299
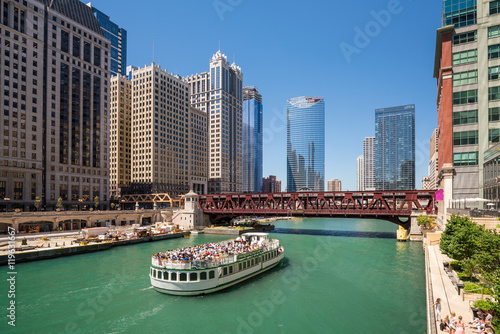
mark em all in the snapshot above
pixel 484 304
pixel 455 265
pixel 472 286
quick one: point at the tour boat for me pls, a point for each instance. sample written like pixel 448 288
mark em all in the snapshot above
pixel 212 267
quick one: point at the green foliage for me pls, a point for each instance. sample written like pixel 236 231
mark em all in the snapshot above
pixel 496 323
pixel 484 304
pixel 37 203
pixel 96 201
pixel 424 220
pixel 59 203
pixel 456 266
pixel 476 288
pixel 478 253
pixel 112 205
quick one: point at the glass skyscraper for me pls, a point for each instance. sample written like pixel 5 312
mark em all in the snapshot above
pixel 118 38
pixel 459 13
pixel 252 140
pixel 306 144
pixel 395 148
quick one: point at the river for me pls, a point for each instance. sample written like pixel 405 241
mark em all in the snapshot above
pixel 352 276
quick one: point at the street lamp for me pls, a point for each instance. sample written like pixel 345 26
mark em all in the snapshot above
pixel 6 199
pixel 80 200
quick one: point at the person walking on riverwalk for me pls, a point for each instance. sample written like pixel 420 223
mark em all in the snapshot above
pixel 460 326
pixel 438 308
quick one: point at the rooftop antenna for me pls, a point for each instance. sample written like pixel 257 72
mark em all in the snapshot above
pixel 153 49
pixel 219 44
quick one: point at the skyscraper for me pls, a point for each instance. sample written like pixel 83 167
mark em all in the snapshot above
pixel 360 173
pixel 121 135
pixel 369 161
pixel 56 107
pixel 160 120
pixel 219 93
pixel 467 72
pixel 271 185
pixel 334 185
pixel 433 159
pixel 118 39
pixel 252 140
pixel 306 144
pixel 395 148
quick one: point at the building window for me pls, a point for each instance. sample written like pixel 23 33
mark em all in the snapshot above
pixel 465 97
pixel 466 37
pixel 465 117
pixel 494 51
pixel 494 7
pixel 494 114
pixel 465 159
pixel 493 73
pixel 465 138
pixel 494 93
pixel 494 31
pixel 464 78
pixel 493 136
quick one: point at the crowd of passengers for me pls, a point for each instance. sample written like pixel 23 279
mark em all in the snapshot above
pixel 209 251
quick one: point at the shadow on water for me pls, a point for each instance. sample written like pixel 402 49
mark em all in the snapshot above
pixel 351 234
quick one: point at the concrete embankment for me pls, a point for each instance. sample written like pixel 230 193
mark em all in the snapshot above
pixel 41 254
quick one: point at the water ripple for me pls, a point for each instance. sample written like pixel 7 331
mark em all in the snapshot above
pixel 349 234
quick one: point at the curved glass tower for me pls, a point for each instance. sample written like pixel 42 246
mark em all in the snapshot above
pixel 306 144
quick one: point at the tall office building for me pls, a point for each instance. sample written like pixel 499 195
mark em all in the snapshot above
pixel 120 137
pixel 306 144
pixel 118 39
pixel 334 185
pixel 360 173
pixel 433 159
pixel 198 150
pixel 369 161
pixel 160 121
pixel 271 185
pixel 219 92
pixel 395 148
pixel 252 140
pixel 467 71
pixel 55 61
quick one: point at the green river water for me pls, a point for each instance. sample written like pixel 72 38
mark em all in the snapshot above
pixel 341 283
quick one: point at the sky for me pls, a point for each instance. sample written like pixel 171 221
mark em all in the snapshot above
pixel 360 55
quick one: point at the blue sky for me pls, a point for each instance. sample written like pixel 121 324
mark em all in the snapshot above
pixel 296 48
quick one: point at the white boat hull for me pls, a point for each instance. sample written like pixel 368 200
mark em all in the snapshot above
pixel 213 285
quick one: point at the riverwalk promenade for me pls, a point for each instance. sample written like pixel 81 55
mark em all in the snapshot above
pixel 439 285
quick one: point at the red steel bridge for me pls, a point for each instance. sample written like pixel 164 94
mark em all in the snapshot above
pixel 394 206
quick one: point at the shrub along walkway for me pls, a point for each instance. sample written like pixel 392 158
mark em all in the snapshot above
pixel 441 286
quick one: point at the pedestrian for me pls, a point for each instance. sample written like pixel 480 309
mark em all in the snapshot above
pixel 437 304
pixel 460 326
pixel 453 323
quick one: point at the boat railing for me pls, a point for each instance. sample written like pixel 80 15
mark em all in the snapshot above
pixel 190 265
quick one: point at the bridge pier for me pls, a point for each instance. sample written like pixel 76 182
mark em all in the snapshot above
pixel 415 231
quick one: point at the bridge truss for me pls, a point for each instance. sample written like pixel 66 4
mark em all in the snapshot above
pixel 387 205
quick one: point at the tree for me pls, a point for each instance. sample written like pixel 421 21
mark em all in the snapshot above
pixel 459 240
pixel 425 221
pixel 112 205
pixel 96 202
pixel 59 204
pixel 37 203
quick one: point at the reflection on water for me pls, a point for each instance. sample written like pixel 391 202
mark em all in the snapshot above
pixel 352 234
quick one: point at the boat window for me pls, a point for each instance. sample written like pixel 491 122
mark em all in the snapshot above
pixel 239 266
pixel 173 276
pixel 151 272
pixel 211 274
pixel 193 276
pixel 253 262
pixel 248 263
pixel 245 265
pixel 224 271
pixel 165 275
pixel 230 269
pixel 182 277
pixel 203 275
